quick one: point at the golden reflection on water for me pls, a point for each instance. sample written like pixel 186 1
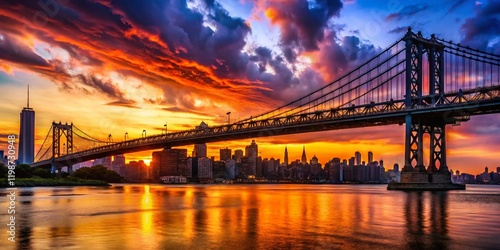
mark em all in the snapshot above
pixel 253 216
pixel 146 214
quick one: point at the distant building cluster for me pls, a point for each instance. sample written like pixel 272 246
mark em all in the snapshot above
pixel 173 165
pixel 485 177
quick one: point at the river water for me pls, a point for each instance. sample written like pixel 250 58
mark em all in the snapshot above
pixel 280 216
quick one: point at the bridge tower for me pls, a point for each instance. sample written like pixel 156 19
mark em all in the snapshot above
pixel 58 131
pixel 425 91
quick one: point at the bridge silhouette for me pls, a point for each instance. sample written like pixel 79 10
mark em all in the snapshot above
pixel 424 83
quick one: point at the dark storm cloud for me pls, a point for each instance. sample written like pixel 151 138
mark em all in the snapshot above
pixel 189 53
pixel 481 30
pixel 336 58
pixel 16 51
pixel 303 22
pixel 406 12
pixel 307 26
pixel 105 86
pixel 262 57
pixel 160 40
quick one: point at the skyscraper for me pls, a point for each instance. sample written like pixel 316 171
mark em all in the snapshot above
pixel 357 155
pixel 225 154
pixel 370 157
pixel 200 150
pixel 118 163
pixel 304 158
pixel 169 162
pixel 286 156
pixel 27 134
pixel 252 151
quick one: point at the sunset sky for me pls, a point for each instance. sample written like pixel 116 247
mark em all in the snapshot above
pixel 112 67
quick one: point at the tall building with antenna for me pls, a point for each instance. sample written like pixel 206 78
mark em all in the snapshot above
pixel 27 134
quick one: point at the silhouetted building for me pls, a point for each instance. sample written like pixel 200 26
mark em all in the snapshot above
pixel 252 151
pixel 225 154
pixel 304 158
pixel 370 157
pixel 238 154
pixel 258 168
pixel 200 150
pixel 357 156
pixel 396 167
pixel 192 166
pixel 118 163
pixel 219 169
pixel 231 168
pixel 335 170
pixel 352 161
pixel 315 169
pixel 169 162
pixel 286 156
pixel 26 152
pixel 245 167
pixel 136 171
pixel 205 170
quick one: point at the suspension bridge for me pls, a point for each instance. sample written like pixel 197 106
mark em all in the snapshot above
pixel 424 83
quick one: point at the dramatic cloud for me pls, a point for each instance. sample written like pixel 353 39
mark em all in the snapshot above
pixel 179 50
pixel 483 30
pixel 308 30
pixel 15 51
pixel 337 58
pixel 302 22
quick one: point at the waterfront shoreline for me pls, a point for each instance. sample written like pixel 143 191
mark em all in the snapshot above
pixel 39 182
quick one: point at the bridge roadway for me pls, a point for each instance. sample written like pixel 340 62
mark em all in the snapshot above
pixel 459 107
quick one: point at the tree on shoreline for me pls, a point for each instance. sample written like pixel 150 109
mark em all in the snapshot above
pixel 98 172
pixel 26 171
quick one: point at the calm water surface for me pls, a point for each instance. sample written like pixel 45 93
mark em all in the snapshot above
pixel 253 216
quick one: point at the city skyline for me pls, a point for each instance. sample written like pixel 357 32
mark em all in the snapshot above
pixel 356 159
pixel 117 96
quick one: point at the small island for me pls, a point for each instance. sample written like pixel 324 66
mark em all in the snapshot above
pixel 27 176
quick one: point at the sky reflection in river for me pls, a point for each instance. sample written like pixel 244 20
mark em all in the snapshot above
pixel 253 216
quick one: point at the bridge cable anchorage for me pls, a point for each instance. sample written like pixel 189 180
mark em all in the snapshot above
pixel 281 111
